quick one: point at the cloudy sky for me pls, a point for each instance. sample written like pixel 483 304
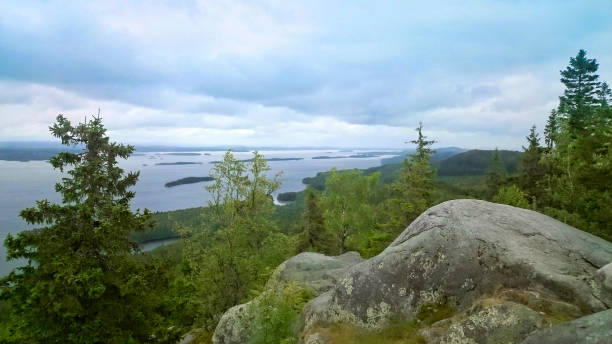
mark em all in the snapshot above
pixel 478 74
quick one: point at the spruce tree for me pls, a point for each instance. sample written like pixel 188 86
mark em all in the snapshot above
pixel 581 88
pixel 314 235
pixel 532 171
pixel 496 175
pixel 413 192
pixel 604 95
pixel 551 130
pixel 80 283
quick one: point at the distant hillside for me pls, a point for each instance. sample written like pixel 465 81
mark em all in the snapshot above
pixel 469 163
pixel 476 162
pixel 441 154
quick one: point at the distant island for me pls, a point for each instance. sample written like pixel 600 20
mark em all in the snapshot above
pixel 287 196
pixel 181 154
pixel 188 180
pixel 355 156
pixel 178 163
pixel 271 159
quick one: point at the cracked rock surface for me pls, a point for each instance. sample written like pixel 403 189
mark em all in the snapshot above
pixel 462 250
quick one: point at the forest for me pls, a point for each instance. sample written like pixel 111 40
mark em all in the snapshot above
pixel 85 281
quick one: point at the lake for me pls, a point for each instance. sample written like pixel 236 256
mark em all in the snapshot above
pixel 22 183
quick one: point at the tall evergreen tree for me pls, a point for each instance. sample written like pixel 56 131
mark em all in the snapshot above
pixel 496 175
pixel 314 235
pixel 532 171
pixel 604 95
pixel 578 166
pixel 413 192
pixel 581 87
pixel 551 130
pixel 80 283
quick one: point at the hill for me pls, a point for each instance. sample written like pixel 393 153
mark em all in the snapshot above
pixel 476 162
pixel 469 163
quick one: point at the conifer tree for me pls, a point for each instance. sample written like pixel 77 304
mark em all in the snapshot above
pixel 413 192
pixel 578 165
pixel 581 88
pixel 496 175
pixel 314 235
pixel 604 95
pixel 79 283
pixel 551 130
pixel 532 171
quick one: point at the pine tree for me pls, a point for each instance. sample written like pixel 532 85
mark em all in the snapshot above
pixel 496 175
pixel 532 171
pixel 79 283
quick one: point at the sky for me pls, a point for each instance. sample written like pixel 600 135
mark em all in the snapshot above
pixel 477 74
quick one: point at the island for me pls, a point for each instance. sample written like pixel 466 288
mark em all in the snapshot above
pixel 287 196
pixel 356 156
pixel 270 159
pixel 178 163
pixel 181 154
pixel 188 180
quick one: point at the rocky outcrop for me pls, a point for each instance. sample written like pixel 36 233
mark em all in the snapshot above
pixel 462 251
pixel 314 271
pixel 501 274
pixel 592 329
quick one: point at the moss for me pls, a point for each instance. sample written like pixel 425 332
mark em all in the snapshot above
pixel 430 313
pixel 397 332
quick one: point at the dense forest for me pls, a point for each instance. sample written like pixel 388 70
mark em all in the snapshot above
pixel 85 281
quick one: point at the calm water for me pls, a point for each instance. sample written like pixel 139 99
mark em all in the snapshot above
pixel 22 183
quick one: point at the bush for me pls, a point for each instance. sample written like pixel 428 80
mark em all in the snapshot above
pixel 274 315
pixel 511 195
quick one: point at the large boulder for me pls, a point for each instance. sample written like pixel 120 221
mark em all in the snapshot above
pixel 592 329
pixel 462 251
pixel 316 272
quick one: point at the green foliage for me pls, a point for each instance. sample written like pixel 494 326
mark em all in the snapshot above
pixel 287 196
pixel 80 283
pixel 496 175
pixel 413 191
pixel 579 165
pixel 477 162
pixel 275 313
pixel 532 170
pixel 237 245
pixel 580 94
pixel 348 203
pixel 511 195
pixel 315 236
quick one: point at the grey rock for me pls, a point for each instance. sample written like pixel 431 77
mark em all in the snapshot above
pixel 592 329
pixel 316 338
pixel 233 327
pixel 461 250
pixel 604 275
pixel 507 322
pixel 315 271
